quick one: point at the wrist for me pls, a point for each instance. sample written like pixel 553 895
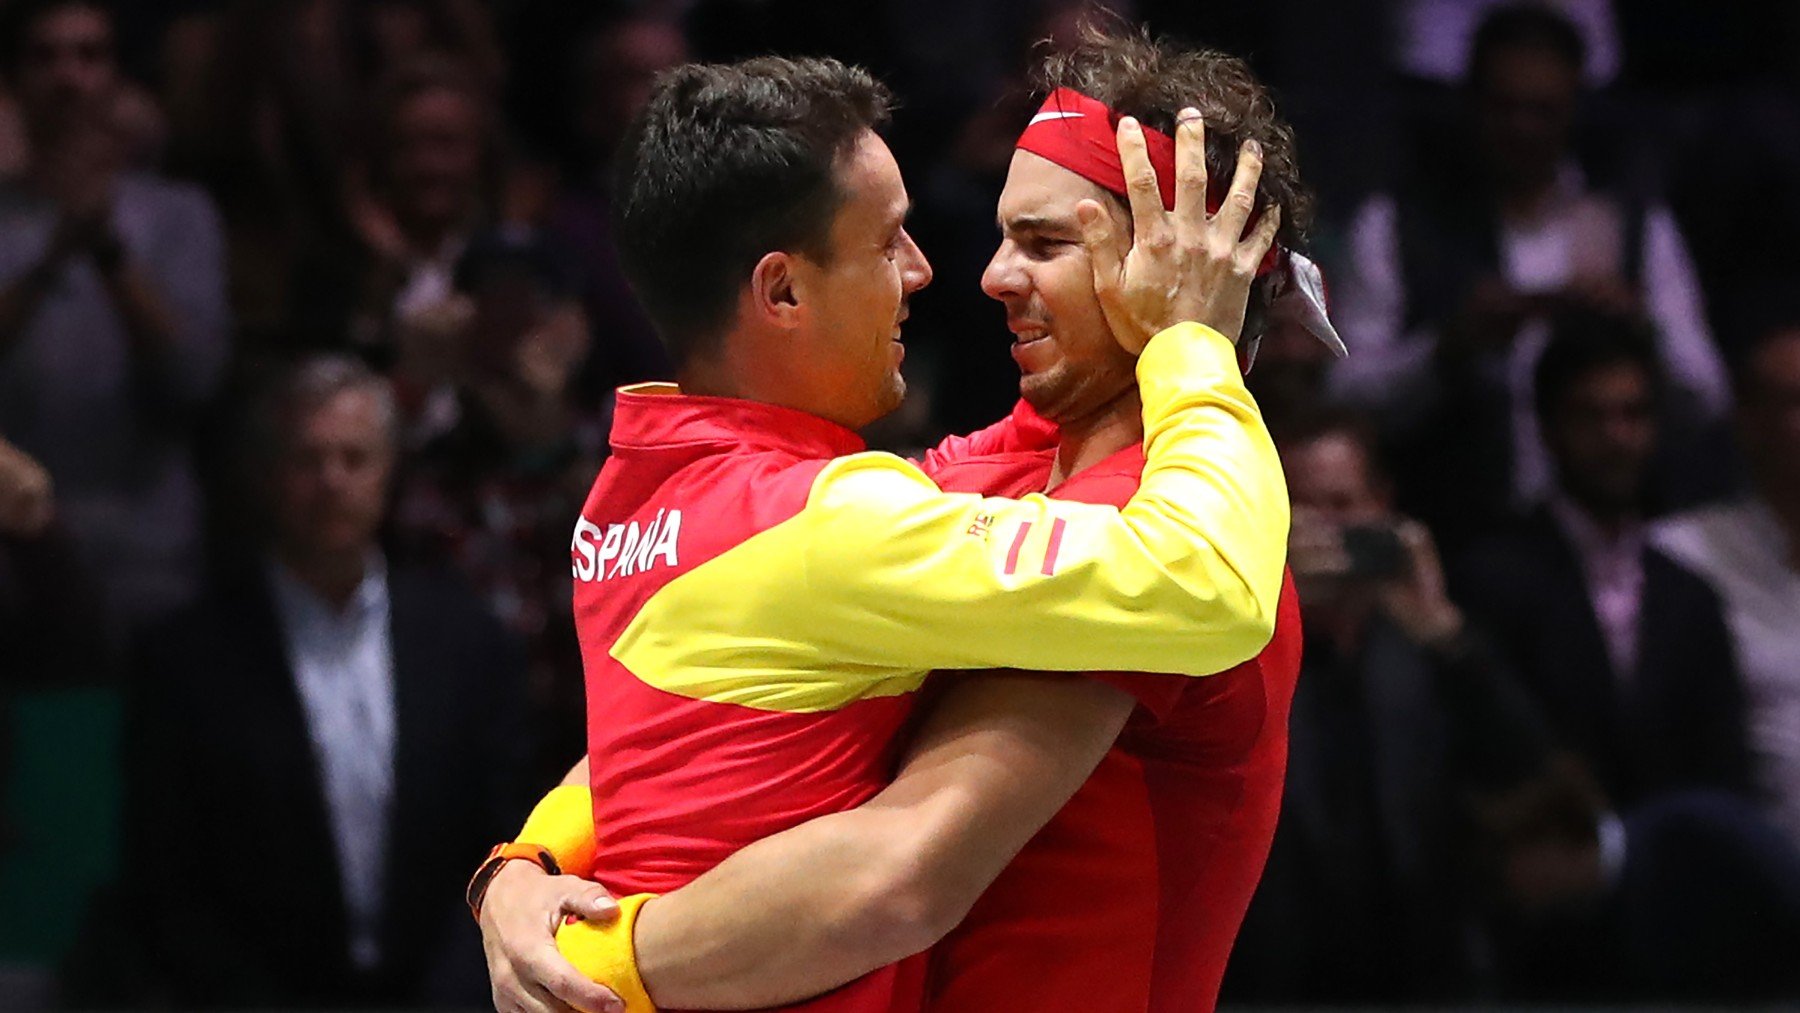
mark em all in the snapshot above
pixel 498 859
pixel 607 953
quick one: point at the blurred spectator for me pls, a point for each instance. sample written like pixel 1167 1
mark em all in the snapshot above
pixel 112 316
pixel 1401 709
pixel 1444 288
pixel 1750 552
pixel 1625 650
pixel 317 711
pixel 432 181
pixel 616 63
pixel 492 494
pixel 260 100
pixel 1435 36
pixel 396 33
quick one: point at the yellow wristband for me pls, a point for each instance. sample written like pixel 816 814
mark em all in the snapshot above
pixel 608 953
pixel 562 823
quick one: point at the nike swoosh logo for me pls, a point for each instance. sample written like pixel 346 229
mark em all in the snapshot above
pixel 1047 117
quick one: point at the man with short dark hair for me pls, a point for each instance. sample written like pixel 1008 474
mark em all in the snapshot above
pixel 1625 649
pixel 1077 375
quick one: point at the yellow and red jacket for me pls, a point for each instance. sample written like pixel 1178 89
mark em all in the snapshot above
pixel 757 602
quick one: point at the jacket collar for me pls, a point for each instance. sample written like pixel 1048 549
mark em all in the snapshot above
pixel 655 415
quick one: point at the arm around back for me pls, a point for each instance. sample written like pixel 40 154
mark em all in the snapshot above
pixel 835 898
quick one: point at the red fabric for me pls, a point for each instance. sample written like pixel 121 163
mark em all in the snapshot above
pixel 1079 134
pixel 680 784
pixel 1129 899
pixel 1021 430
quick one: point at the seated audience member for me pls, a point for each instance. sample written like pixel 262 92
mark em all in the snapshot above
pixel 1749 550
pixel 494 493
pixel 1624 649
pixel 112 317
pixel 305 717
pixel 1444 288
pixel 1400 708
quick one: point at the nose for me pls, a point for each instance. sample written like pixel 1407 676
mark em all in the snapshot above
pixel 1002 279
pixel 915 270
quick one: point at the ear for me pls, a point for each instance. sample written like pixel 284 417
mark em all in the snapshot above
pixel 775 290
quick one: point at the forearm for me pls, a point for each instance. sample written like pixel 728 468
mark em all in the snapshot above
pixel 835 898
pixel 784 919
pixel 578 774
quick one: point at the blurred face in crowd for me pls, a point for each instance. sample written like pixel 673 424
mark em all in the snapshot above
pixel 1526 99
pixel 1331 476
pixel 435 163
pixel 1602 434
pixel 66 66
pixel 848 351
pixel 1769 413
pixel 1333 486
pixel 620 69
pixel 1070 365
pixel 331 480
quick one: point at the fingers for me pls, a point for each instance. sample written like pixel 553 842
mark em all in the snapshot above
pixel 592 905
pixel 1148 220
pixel 1102 245
pixel 576 992
pixel 1239 201
pixel 549 970
pixel 1252 251
pixel 1190 171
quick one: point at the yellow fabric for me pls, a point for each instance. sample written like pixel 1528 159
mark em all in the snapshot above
pixel 883 577
pixel 562 823
pixel 607 953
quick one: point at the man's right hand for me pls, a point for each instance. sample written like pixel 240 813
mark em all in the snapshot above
pixel 1183 264
pixel 519 917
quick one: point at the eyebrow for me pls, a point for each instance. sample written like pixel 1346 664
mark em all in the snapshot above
pixel 897 222
pixel 1035 223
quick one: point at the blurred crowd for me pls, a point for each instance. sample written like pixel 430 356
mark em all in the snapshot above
pixel 309 320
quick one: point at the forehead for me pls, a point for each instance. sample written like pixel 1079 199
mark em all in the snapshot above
pixel 871 180
pixel 1037 188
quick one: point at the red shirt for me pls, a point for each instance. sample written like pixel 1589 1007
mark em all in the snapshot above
pixel 1130 897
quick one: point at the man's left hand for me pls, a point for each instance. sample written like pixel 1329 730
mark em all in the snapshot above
pixel 519 917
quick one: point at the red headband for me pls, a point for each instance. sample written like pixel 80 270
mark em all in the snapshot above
pixel 1079 134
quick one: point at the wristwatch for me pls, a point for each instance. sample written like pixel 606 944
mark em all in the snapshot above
pixel 503 853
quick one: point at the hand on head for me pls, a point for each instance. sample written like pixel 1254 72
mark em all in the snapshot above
pixel 1183 264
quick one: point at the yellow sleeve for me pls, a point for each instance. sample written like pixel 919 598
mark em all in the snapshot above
pixel 563 823
pixel 608 953
pixel 882 573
